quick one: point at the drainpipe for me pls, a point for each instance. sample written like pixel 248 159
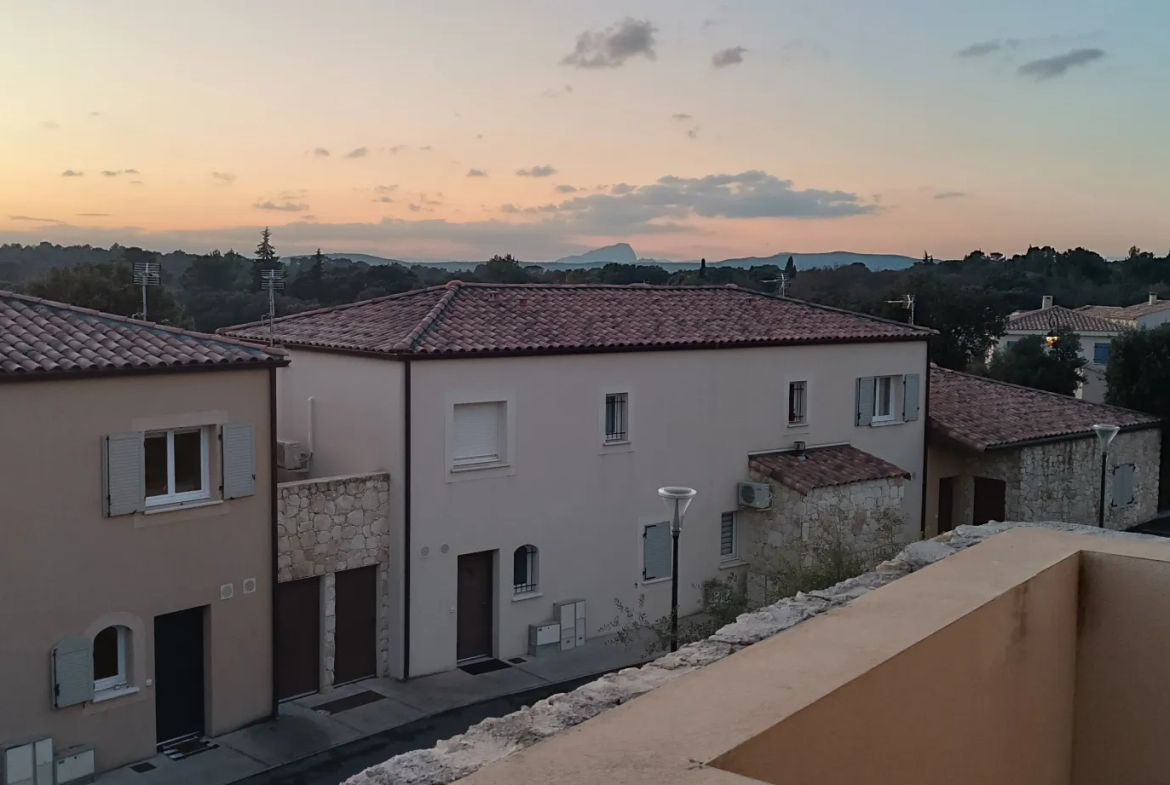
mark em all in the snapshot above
pixel 311 431
pixel 925 414
pixel 274 511
pixel 406 552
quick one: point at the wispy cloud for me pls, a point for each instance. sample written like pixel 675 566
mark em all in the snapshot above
pixel 358 152
pixel 135 182
pixel 385 189
pixel 398 148
pixel 72 173
pixel 111 172
pixel 509 208
pixel 709 23
pixel 320 152
pixel 476 173
pixel 1052 67
pixel 566 189
pixel 95 114
pixel 612 47
pixel 537 171
pixel 32 219
pixel 50 125
pixel 426 148
pixel 130 171
pixel 224 178
pixel 950 195
pixel 93 215
pixel 384 199
pixel 558 92
pixel 980 49
pixel 682 117
pixel 693 133
pixel 414 208
pixel 283 207
pixel 726 57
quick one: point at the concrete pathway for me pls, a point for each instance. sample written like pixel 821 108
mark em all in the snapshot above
pixel 328 745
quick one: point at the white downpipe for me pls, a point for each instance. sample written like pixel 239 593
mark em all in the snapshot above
pixel 311 430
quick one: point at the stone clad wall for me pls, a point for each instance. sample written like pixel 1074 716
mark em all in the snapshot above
pixel 333 524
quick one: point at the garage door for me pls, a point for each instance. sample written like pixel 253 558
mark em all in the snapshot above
pixel 356 606
pixel 298 638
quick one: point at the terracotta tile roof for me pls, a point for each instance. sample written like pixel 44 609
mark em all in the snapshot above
pixel 42 338
pixel 1058 316
pixel 823 467
pixel 984 414
pixel 464 319
pixel 1111 312
pixel 1144 309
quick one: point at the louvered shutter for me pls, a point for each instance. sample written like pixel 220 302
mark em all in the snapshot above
pixel 72 672
pixel 239 460
pixel 1123 485
pixel 656 553
pixel 477 433
pixel 124 472
pixel 910 385
pixel 727 535
pixel 865 400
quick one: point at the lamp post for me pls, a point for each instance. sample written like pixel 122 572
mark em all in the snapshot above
pixel 677 499
pixel 1105 436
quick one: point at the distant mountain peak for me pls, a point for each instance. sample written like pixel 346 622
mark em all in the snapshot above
pixel 621 253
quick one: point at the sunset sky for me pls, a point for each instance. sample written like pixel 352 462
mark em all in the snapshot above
pixel 455 129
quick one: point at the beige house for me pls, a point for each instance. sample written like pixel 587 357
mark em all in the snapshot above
pixel 525 430
pixel 138 562
pixel 1000 452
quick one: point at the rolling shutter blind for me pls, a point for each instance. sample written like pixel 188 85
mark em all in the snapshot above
pixel 910 397
pixel 72 672
pixel 656 554
pixel 124 471
pixel 1123 485
pixel 477 433
pixel 727 535
pixel 239 460
pixel 865 400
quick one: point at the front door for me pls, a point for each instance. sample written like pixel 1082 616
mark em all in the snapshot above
pixel 298 638
pixel 178 674
pixel 946 504
pixel 474 622
pixel 990 500
pixel 356 604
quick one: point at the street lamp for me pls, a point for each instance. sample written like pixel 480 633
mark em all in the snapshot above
pixel 1105 436
pixel 677 499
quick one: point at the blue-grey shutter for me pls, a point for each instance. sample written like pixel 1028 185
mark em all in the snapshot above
pixel 124 474
pixel 727 535
pixel 1123 485
pixel 910 397
pixel 865 400
pixel 239 460
pixel 72 672
pixel 656 553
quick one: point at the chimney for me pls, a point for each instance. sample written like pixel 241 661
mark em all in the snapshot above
pixel 1153 298
pixel 1046 301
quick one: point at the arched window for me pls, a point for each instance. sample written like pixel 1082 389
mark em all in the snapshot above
pixel 524 569
pixel 110 648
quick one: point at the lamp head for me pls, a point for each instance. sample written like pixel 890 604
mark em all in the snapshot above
pixel 1105 434
pixel 677 499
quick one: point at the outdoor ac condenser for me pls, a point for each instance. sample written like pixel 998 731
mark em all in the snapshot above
pixel 757 495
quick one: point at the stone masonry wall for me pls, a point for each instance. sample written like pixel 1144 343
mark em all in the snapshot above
pixel 332 524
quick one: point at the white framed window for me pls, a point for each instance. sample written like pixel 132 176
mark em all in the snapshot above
pixel 177 466
pixel 797 403
pixel 109 658
pixel 617 417
pixel 524 574
pixel 883 398
pixel 728 536
pixel 479 434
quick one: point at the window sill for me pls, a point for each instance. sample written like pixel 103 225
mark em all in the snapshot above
pixel 191 505
pixel 798 425
pixel 478 467
pixel 886 423
pixel 113 693
pixel 528 595
pixel 652 581
pixel 614 442
pixel 729 564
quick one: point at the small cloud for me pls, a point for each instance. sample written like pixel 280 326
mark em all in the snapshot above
pixel 726 57
pixel 95 114
pixel 566 189
pixel 32 219
pixel 385 189
pixel 135 182
pixel 110 172
pixel 425 148
pixel 358 152
pixel 1052 67
pixel 320 152
pixel 682 117
pixel 224 177
pixel 479 136
pixel 610 48
pixel 619 189
pixel 980 49
pixel 476 173
pixel 509 208
pixel 693 133
pixel 308 218
pixel 92 215
pixel 414 208
pixel 385 199
pixel 71 173
pixel 709 23
pixel 537 171
pixel 281 206
pixel 950 195
pixel 544 208
pixel 130 171
pixel 50 125
pixel 558 92
pixel 398 148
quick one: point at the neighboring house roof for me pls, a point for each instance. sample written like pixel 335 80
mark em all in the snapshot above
pixel 1131 312
pixel 45 339
pixel 984 414
pixel 1111 312
pixel 824 467
pixel 1057 316
pixel 461 319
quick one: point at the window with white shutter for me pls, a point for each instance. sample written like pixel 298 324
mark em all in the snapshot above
pixel 72 672
pixel 657 557
pixel 123 472
pixel 239 460
pixel 728 537
pixel 1123 485
pixel 910 385
pixel 478 439
pixel 865 387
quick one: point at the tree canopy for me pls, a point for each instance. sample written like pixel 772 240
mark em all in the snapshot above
pixel 1032 362
pixel 1138 374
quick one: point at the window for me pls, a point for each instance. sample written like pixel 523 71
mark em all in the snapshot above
pixel 176 466
pixel 728 537
pixel 883 398
pixel 1010 344
pixel 524 569
pixel 1101 353
pixel 479 434
pixel 797 403
pixel 1123 485
pixel 109 659
pixel 617 417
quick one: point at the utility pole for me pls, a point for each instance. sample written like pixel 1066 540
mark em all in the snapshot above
pixel 146 274
pixel 272 280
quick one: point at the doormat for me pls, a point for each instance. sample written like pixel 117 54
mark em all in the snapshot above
pixel 517 660
pixel 484 666
pixel 349 702
pixel 143 767
pixel 177 750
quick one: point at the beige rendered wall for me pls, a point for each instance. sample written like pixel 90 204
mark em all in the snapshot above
pixel 67 571
pixel 695 416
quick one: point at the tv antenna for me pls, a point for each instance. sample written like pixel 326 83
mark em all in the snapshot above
pixel 146 274
pixel 907 302
pixel 272 281
pixel 782 288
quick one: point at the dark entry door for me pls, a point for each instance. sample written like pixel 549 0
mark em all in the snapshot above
pixel 990 500
pixel 298 638
pixel 356 604
pixel 474 635
pixel 178 674
pixel 946 504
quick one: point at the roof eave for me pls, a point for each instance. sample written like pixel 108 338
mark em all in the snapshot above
pixel 148 370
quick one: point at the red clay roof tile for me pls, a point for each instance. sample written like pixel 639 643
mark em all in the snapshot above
pixel 823 467
pixel 1081 321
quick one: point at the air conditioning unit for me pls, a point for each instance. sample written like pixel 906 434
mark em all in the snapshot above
pixel 757 495
pixel 291 455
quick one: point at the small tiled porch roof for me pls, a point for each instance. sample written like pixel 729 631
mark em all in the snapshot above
pixel 824 467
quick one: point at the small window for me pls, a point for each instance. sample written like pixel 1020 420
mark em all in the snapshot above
pixel 617 417
pixel 176 466
pixel 883 398
pixel 728 537
pixel 109 659
pixel 1010 344
pixel 1101 353
pixel 479 434
pixel 797 403
pixel 524 569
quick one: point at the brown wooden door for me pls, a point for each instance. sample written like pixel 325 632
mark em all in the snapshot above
pixel 298 638
pixel 990 500
pixel 474 623
pixel 356 608
pixel 946 504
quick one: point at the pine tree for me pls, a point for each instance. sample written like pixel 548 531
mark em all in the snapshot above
pixel 702 269
pixel 790 269
pixel 266 259
pixel 317 270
